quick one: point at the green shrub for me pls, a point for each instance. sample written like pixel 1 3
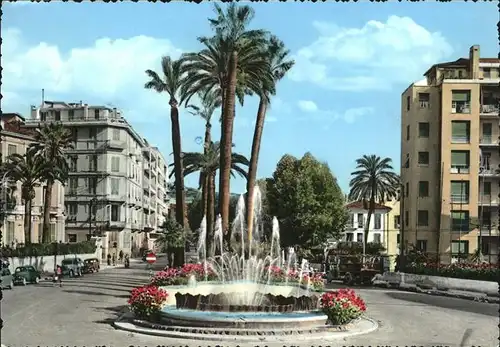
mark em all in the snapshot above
pixel 479 272
pixel 42 249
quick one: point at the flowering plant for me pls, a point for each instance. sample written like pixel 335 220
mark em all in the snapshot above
pixel 168 277
pixel 147 301
pixel 276 273
pixel 472 271
pixel 342 306
pixel 197 270
pixel 315 281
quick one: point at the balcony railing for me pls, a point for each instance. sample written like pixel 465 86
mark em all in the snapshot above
pixel 459 198
pixel 488 199
pixel 460 139
pixel 488 172
pixel 487 140
pixel 459 169
pixel 424 104
pixel 490 109
pixel 460 107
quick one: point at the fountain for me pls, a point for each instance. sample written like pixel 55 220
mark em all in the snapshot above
pixel 243 300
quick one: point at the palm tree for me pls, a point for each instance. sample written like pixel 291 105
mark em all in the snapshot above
pixel 171 83
pixel 239 68
pixel 373 181
pixel 279 66
pixel 208 164
pixel 52 140
pixel 209 102
pixel 29 170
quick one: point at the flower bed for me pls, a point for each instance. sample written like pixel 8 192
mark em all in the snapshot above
pixel 147 301
pixel 342 306
pixel 479 272
pixel 181 276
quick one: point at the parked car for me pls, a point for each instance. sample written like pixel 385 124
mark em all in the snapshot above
pixel 72 267
pixel 91 265
pixel 26 274
pixel 7 279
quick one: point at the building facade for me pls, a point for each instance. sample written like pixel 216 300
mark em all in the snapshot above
pixel 450 158
pixel 392 235
pixel 358 215
pixel 16 139
pixel 106 193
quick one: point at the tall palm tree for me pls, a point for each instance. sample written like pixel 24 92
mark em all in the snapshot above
pixel 279 65
pixel 52 140
pixel 373 181
pixel 171 82
pixel 208 164
pixel 29 170
pixel 209 103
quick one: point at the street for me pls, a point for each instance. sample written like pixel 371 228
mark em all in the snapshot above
pixel 80 313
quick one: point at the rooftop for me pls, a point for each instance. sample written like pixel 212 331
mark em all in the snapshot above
pixel 361 205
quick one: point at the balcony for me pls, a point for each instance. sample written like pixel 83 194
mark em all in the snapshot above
pixel 488 200
pixel 488 140
pixel 459 198
pixel 116 144
pixel 488 172
pixel 490 110
pixel 459 169
pixel 460 107
pixel 90 145
pixel 117 225
pixel 145 185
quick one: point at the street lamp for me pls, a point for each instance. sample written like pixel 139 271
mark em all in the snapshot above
pixel 92 203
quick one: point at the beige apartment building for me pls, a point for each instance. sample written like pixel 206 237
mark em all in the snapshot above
pixel 450 158
pixel 16 139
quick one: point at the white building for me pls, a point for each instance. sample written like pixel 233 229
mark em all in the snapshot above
pixel 358 215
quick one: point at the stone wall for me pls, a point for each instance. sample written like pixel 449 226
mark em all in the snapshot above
pixel 44 263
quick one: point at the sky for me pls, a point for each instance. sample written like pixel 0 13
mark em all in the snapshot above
pixel 340 101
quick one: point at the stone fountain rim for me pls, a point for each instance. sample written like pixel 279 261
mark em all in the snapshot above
pixel 283 284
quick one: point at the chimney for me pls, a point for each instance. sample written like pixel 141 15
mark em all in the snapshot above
pixel 474 62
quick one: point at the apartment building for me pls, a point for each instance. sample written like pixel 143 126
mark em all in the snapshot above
pixel 358 215
pixel 450 156
pixel 106 191
pixel 16 139
pixel 392 232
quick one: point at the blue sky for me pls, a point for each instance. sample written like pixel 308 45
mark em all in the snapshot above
pixel 340 101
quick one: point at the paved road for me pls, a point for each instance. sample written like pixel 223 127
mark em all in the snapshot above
pixel 80 313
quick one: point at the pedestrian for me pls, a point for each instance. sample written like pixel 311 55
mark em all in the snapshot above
pixel 109 259
pixel 120 256
pixel 59 275
pixel 114 259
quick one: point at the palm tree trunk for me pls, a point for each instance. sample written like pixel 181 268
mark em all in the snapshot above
pixel 27 221
pixel 254 159
pixel 210 212
pixel 371 209
pixel 203 177
pixel 227 143
pixel 180 197
pixel 46 212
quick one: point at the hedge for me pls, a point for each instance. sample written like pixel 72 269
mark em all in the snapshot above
pixel 479 272
pixel 41 249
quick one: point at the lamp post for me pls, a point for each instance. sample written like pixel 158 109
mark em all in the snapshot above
pixel 92 203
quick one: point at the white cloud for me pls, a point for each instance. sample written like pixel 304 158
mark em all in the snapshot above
pixel 107 71
pixel 307 106
pixel 271 119
pixel 375 56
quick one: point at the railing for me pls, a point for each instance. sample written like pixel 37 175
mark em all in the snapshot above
pixel 459 198
pixel 460 107
pixel 459 169
pixel 488 172
pixel 460 139
pixel 488 199
pixel 424 104
pixel 490 109
pixel 486 140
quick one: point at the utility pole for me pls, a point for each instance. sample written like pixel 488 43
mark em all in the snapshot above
pixel 402 227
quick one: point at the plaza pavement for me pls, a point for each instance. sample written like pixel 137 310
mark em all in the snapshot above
pixel 80 314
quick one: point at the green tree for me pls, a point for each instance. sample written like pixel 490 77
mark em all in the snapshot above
pixel 29 170
pixel 52 140
pixel 277 56
pixel 307 200
pixel 172 238
pixel 373 181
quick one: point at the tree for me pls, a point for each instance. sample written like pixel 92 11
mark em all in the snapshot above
pixel 373 181
pixel 52 140
pixel 29 170
pixel 279 66
pixel 173 237
pixel 171 83
pixel 307 200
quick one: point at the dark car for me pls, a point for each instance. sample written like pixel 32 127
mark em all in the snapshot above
pixel 91 265
pixel 72 267
pixel 26 274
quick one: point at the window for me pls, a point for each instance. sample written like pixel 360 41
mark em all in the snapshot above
pixel 73 164
pixel 351 219
pixel 460 192
pixel 485 160
pixel 422 218
pixel 407 218
pixel 92 133
pixel 460 162
pixel 486 220
pixel 407 132
pixel 349 237
pixel 486 136
pixel 96 113
pixel 43 116
pixel 378 221
pixel 115 186
pixel 73 185
pixel 487 188
pixel 360 220
pixel 460 131
pixel 398 238
pixel 115 164
pixel 486 72
pixel 11 149
pixel 459 248
pixel 53 232
pixel 116 134
pixel 486 247
pixel 71 238
pixel 92 185
pixel 423 158
pixel 10 233
pixel 423 100
pixel 460 221
pixel 423 129
pixel 460 101
pixel 407 189
pixel 71 114
pixel 407 161
pixel 376 238
pixel 397 220
pixel 359 237
pixel 74 134
pixel 408 101
pixel 422 245
pixel 423 189
pixel 72 209
pixel 92 163
pixel 57 115
pixel 115 213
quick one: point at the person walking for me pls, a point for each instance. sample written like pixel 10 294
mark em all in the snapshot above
pixel 59 275
pixel 109 259
pixel 120 256
pixel 114 259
